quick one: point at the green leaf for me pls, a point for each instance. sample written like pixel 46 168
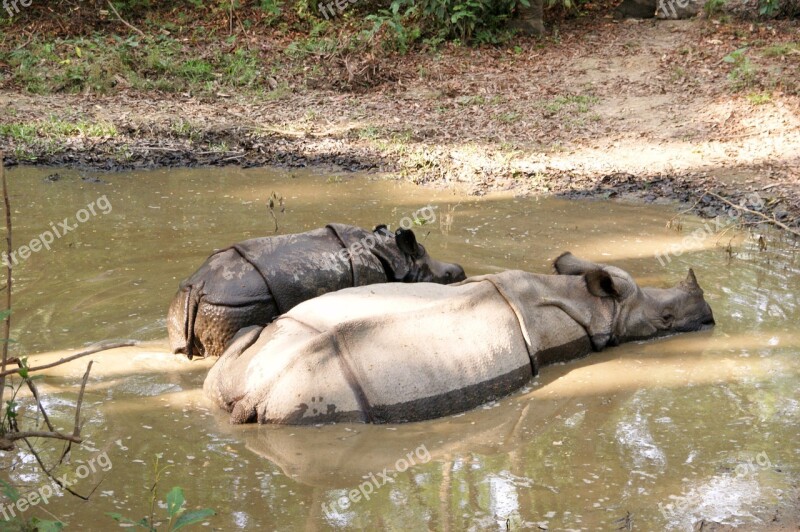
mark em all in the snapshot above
pixel 175 500
pixel 40 525
pixel 9 491
pixel 119 518
pixel 192 517
pixel 5 313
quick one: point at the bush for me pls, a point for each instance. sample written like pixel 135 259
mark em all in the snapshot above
pixel 468 21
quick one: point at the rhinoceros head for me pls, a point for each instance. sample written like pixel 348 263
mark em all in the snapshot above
pixel 406 260
pixel 642 313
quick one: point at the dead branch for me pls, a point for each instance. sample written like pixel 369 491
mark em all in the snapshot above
pixel 41 434
pixel 77 430
pixel 35 392
pixel 49 474
pixel 763 216
pixel 131 26
pixel 90 351
pixel 7 321
pixel 690 209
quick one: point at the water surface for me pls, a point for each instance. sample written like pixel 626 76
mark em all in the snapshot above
pixel 706 422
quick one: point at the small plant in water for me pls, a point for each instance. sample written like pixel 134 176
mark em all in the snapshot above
pixel 32 524
pixel 177 516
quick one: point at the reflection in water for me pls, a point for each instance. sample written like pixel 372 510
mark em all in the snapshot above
pixel 625 432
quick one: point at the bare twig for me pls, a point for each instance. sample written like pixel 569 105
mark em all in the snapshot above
pixel 26 43
pixel 90 351
pixel 273 198
pixel 35 392
pixel 690 209
pixel 756 213
pixel 131 26
pixel 49 474
pixel 7 321
pixel 42 434
pixel 77 430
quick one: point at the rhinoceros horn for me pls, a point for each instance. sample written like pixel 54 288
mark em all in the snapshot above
pixel 690 284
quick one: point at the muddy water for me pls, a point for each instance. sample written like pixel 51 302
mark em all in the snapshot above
pixel 706 422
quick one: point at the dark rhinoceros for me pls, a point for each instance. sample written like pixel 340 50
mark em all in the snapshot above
pixel 253 282
pixel 392 354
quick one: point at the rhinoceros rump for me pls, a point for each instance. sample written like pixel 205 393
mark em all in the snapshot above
pixel 389 353
pixel 252 282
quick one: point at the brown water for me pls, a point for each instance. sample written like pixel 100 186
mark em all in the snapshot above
pixel 707 422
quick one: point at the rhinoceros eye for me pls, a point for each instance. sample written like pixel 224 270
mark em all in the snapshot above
pixel 667 317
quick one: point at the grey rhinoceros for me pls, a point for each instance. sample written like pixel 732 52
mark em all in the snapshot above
pixel 388 354
pixel 253 282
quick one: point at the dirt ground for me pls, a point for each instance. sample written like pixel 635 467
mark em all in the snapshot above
pixel 651 110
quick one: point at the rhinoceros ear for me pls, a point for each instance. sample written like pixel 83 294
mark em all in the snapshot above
pixel 600 283
pixel 381 227
pixel 407 242
pixel 569 264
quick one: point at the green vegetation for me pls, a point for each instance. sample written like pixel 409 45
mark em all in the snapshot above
pixel 743 73
pixel 55 128
pixel 177 516
pixel 31 524
pixel 253 47
pixel 712 7
pixel 205 48
pixel 572 103
pixel 101 64
pixel 8 422
pixel 782 49
pixel 759 98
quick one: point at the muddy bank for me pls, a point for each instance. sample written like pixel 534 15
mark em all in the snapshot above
pixel 642 110
pixel 779 198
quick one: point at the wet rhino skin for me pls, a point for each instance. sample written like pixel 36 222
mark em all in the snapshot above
pixel 394 353
pixel 256 280
pixel 253 282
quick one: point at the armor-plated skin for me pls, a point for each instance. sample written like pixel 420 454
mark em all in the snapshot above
pixel 253 282
pixel 389 353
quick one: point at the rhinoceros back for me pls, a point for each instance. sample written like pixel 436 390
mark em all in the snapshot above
pixel 252 282
pixel 386 353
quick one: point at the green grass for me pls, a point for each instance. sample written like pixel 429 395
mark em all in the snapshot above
pixel 31 131
pixel 368 133
pixel 104 64
pixel 572 103
pixel 782 49
pixel 759 98
pixel 471 100
pixel 743 73
pixel 509 118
